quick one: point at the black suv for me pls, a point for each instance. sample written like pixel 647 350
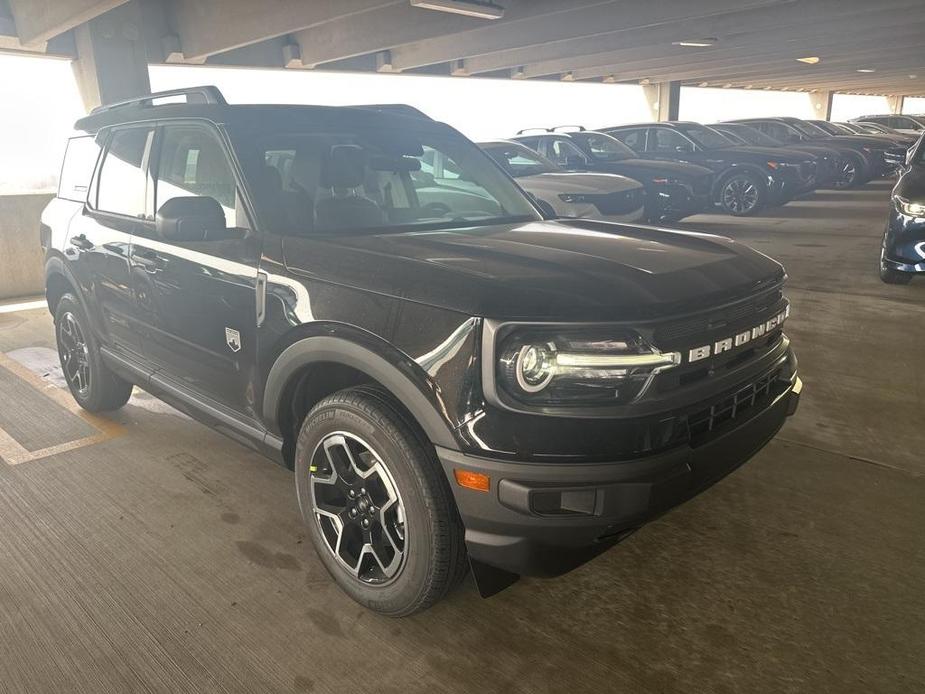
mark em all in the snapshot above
pixel 673 191
pixel 902 254
pixel 455 381
pixel 747 179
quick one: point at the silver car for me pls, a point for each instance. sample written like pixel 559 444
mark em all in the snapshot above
pixel 607 197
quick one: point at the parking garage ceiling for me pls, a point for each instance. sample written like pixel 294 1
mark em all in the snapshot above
pixel 849 46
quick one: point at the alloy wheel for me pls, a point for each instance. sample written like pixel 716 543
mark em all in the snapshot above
pixel 75 355
pixel 358 508
pixel 740 194
pixel 847 175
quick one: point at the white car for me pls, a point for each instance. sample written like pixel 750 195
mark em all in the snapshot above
pixel 607 197
pixel 904 123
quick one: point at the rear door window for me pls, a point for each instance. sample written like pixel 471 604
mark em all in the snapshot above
pixel 79 162
pixel 122 183
pixel 634 139
pixel 667 141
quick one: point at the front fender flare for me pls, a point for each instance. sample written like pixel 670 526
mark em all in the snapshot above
pixel 422 405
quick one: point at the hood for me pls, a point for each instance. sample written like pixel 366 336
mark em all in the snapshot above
pixel 871 141
pixel 573 270
pixel 644 169
pixel 556 183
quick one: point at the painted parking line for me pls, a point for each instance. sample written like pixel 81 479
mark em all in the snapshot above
pixel 23 306
pixel 13 453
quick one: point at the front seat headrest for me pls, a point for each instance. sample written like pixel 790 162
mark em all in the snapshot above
pixel 344 167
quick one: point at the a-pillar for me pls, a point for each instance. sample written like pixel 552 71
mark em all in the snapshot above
pixel 111 62
pixel 664 100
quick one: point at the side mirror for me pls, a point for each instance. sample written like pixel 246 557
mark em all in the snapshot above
pixel 573 161
pixel 189 218
pixel 683 149
pixel 548 210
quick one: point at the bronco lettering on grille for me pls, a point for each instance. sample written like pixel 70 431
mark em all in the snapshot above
pixel 727 344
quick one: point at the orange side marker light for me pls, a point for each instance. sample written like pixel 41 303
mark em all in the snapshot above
pixel 472 480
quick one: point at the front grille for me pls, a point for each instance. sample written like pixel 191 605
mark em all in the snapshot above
pixel 705 324
pixel 619 203
pixel 731 407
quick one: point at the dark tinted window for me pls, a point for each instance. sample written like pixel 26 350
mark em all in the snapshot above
pixel 604 147
pixel 122 177
pixel 192 163
pixel 79 161
pixel 562 150
pixel 666 140
pixel 634 139
pixel 704 136
pixel 779 131
pixel 518 160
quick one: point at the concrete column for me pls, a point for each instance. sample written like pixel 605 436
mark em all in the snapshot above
pixel 822 104
pixel 895 103
pixel 111 61
pixel 664 100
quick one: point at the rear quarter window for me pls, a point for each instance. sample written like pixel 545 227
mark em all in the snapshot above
pixel 77 170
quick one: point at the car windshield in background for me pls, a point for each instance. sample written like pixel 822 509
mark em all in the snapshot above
pixel 380 180
pixel 519 161
pixel 603 147
pixel 808 129
pixel 704 136
pixel 753 137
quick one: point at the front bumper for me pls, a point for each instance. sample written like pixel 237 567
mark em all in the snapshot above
pixel 544 519
pixel 904 242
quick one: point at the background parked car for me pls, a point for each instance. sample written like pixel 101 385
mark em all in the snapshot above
pixel 906 124
pixel 608 197
pixel 875 129
pixel 841 129
pixel 673 191
pixel 862 158
pixel 747 179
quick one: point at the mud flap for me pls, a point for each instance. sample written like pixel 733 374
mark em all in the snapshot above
pixel 491 580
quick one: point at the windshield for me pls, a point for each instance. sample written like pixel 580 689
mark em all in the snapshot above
pixel 519 160
pixel 378 179
pixel 808 129
pixel 832 128
pixel 750 136
pixel 603 147
pixel 704 136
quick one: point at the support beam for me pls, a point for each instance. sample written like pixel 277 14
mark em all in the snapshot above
pixel 896 103
pixel 663 99
pixel 111 62
pixel 822 104
pixel 37 21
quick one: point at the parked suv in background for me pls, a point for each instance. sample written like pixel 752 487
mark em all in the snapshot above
pixel 608 197
pixel 902 254
pixel 908 125
pixel 454 377
pixel 747 179
pixel 673 191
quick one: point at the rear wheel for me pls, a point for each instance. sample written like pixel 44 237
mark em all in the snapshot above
pixel 94 386
pixel 378 507
pixel 742 195
pixel 852 173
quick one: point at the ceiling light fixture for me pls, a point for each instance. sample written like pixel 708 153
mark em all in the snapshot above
pixel 695 43
pixel 912 77
pixel 481 9
pixel 866 69
pixel 810 59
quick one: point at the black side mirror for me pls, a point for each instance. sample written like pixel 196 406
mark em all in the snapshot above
pixel 189 218
pixel 683 149
pixel 549 212
pixel 573 161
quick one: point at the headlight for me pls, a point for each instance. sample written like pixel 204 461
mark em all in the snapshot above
pixel 557 365
pixel 907 207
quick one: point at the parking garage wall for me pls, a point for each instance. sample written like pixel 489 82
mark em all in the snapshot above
pixel 21 262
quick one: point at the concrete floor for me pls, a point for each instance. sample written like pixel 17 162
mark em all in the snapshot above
pixel 157 555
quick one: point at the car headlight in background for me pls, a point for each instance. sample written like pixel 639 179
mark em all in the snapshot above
pixel 908 207
pixel 556 365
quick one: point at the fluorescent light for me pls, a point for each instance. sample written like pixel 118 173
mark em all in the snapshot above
pixel 866 69
pixel 695 43
pixel 471 8
pixel 810 59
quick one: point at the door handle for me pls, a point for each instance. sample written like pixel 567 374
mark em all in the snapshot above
pixel 82 242
pixel 149 260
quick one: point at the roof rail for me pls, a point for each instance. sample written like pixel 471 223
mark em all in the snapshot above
pixel 561 128
pixel 527 130
pixel 400 109
pixel 206 94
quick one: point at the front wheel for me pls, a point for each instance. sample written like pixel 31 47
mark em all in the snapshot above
pixel 743 195
pixel 851 174
pixel 94 386
pixel 378 507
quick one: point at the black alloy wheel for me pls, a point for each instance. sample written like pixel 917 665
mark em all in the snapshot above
pixel 742 195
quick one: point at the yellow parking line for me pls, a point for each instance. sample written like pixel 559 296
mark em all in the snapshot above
pixel 10 449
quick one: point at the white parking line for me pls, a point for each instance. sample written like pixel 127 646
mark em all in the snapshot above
pixel 23 306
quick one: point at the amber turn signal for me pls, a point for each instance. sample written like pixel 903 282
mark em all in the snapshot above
pixel 472 480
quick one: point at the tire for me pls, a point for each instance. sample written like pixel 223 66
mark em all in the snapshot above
pixel 852 174
pixel 742 194
pixel 399 492
pixel 94 386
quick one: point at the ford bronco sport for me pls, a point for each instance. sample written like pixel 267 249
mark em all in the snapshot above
pixel 456 380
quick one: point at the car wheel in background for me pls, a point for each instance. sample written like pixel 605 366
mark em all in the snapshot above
pixel 741 194
pixel 852 173
pixel 377 505
pixel 93 385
